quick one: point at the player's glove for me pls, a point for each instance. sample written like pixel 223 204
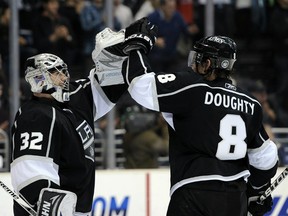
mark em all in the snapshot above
pixel 55 202
pixel 140 35
pixel 255 207
pixel 108 57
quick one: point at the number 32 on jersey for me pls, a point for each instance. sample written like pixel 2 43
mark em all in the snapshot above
pixel 31 140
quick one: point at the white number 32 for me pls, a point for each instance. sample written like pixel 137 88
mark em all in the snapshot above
pixel 32 142
pixel 233 133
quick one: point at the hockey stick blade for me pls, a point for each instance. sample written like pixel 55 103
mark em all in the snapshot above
pixel 274 184
pixel 19 200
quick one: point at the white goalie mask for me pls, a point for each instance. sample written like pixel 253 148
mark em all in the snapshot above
pixel 39 70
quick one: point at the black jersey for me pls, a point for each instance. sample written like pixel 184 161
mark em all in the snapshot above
pixel 53 143
pixel 215 128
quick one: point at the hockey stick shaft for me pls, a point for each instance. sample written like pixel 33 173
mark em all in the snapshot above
pixel 273 185
pixel 19 200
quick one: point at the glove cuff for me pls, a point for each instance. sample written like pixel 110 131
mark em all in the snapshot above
pixel 138 41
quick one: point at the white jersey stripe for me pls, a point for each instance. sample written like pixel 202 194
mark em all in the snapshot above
pixel 51 131
pixel 244 174
pixel 33 165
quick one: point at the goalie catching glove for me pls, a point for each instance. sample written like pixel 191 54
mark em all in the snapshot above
pixel 140 35
pixel 108 57
pixel 255 207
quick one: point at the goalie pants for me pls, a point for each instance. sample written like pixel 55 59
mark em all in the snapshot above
pixel 211 198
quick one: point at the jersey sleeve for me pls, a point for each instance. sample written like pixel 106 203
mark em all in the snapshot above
pixel 93 96
pixel 136 65
pixel 32 166
pixel 156 91
pixel 263 158
pixel 105 97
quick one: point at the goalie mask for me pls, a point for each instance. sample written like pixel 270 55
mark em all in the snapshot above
pixel 219 49
pixel 47 73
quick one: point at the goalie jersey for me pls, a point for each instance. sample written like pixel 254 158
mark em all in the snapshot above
pixel 215 128
pixel 53 143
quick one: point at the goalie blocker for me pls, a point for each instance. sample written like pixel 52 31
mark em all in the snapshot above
pixel 55 202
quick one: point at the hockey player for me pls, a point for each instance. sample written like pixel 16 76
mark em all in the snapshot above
pixel 52 137
pixel 218 146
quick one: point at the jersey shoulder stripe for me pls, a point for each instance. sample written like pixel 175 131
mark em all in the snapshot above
pixel 211 87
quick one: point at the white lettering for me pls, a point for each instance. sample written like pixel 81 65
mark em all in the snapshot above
pixel 218 99
pixel 240 105
pixel 208 98
pixel 226 101
pixel 229 102
pixel 252 107
pixel 45 209
pixel 233 103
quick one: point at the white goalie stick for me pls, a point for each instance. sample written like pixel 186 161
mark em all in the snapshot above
pixel 19 200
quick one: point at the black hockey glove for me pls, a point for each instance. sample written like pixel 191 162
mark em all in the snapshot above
pixel 255 207
pixel 140 35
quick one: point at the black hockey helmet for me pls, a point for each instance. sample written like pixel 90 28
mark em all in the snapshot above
pixel 220 50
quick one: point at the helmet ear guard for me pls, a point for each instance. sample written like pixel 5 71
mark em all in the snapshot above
pixel 224 63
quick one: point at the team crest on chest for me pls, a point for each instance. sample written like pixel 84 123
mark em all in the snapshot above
pixel 87 137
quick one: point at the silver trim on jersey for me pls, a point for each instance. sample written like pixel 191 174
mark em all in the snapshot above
pixel 13 135
pixel 13 146
pixel 127 72
pixel 261 137
pixel 142 62
pixel 51 131
pixel 80 86
pixel 244 174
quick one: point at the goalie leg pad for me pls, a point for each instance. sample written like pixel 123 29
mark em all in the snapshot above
pixel 55 202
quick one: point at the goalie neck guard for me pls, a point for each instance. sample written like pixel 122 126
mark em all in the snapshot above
pixel 39 69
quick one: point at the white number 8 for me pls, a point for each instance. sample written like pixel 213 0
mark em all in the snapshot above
pixel 164 78
pixel 233 133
